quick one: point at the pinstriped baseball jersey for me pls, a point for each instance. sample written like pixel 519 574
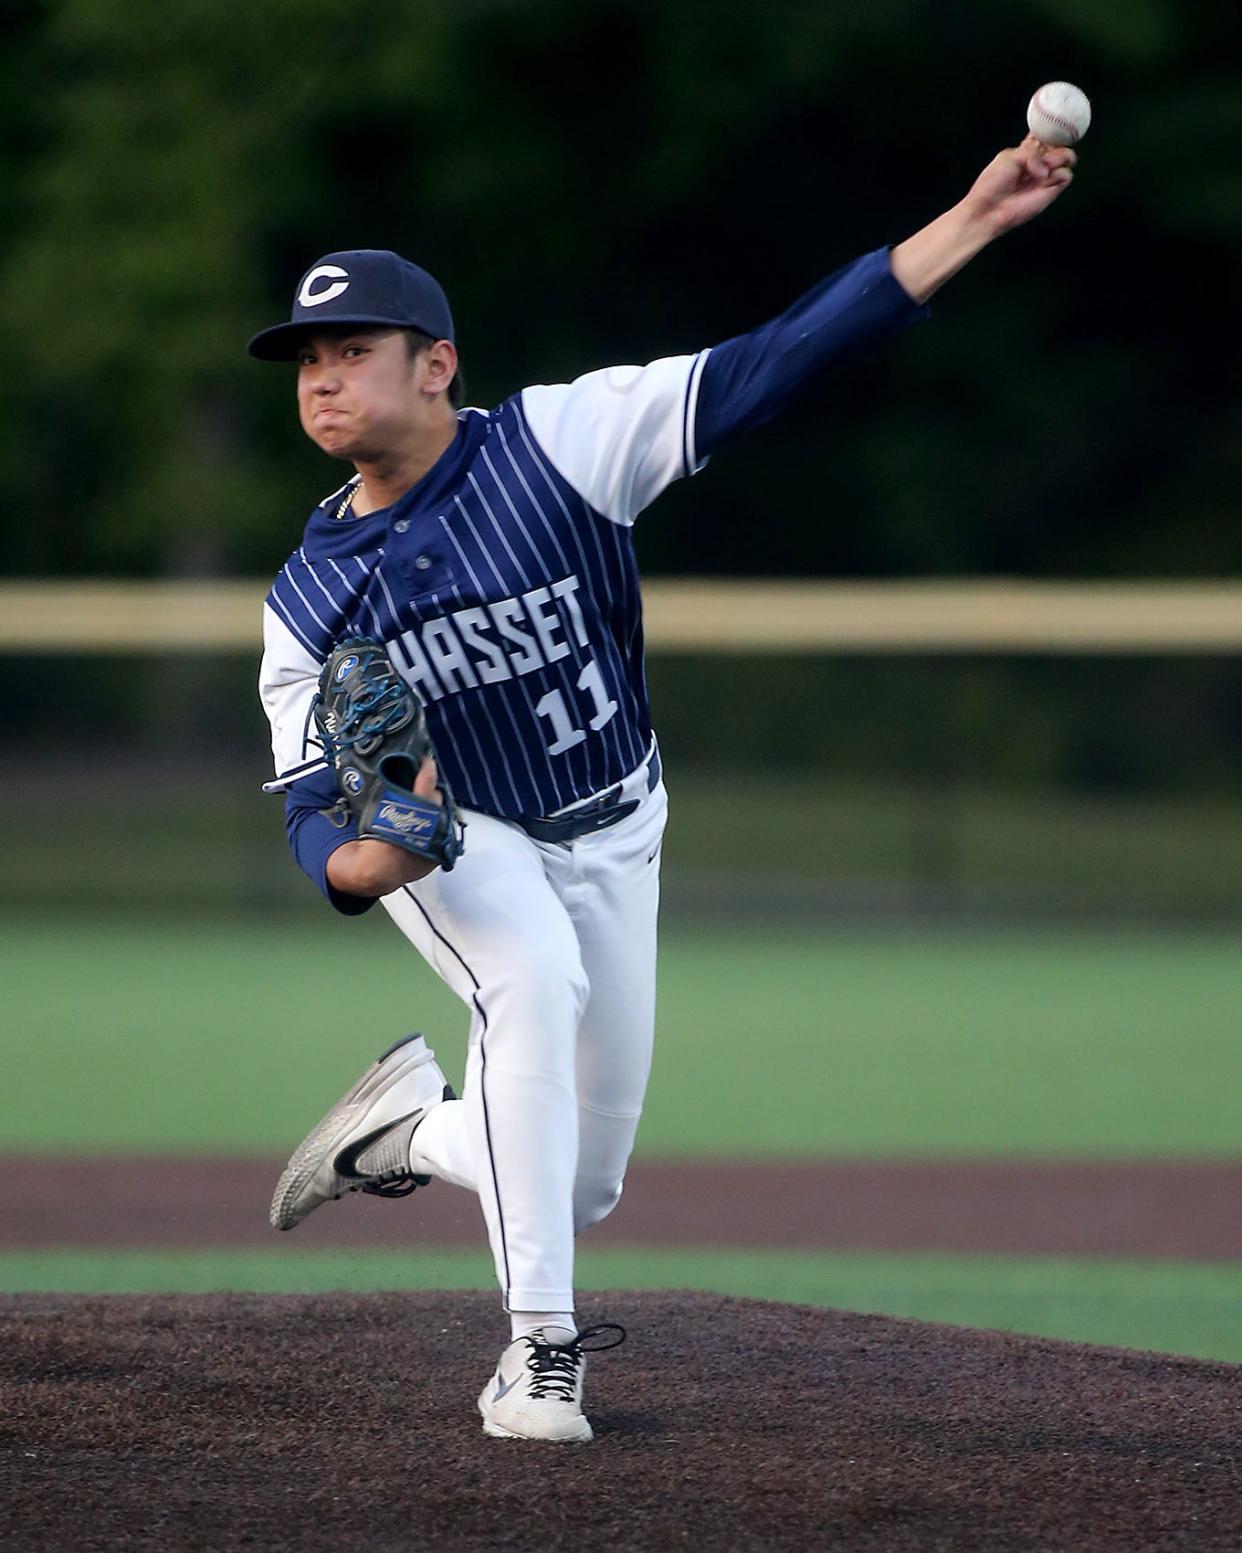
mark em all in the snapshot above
pixel 505 589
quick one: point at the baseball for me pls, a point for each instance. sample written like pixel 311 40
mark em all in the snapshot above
pixel 1059 114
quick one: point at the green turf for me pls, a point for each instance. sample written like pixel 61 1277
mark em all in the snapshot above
pixel 1084 1043
pixel 176 1035
pixel 1170 1307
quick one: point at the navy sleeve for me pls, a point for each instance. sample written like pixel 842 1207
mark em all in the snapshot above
pixel 313 836
pixel 749 379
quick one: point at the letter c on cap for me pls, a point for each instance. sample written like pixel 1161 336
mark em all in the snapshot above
pixel 340 283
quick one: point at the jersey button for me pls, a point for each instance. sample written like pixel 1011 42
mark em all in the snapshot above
pixel 422 562
pixel 401 525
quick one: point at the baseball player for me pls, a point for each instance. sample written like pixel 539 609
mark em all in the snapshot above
pixel 489 552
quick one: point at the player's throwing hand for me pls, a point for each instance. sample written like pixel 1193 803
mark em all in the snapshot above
pixel 1015 186
pixel 1019 183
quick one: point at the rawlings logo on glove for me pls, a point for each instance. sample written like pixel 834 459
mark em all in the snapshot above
pixel 401 818
pixel 374 732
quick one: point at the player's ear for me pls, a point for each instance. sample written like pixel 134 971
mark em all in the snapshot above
pixel 437 367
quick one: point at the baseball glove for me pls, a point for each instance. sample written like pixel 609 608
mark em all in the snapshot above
pixel 374 734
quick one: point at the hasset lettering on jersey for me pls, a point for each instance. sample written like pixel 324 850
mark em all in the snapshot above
pixel 488 643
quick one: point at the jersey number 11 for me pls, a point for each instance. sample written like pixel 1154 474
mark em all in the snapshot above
pixel 552 706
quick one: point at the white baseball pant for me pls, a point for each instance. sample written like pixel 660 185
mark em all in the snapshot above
pixel 552 946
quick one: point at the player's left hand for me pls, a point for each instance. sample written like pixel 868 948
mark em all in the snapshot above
pixel 1020 183
pixel 373 730
pixel 372 868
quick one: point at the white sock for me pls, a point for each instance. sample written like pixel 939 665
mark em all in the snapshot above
pixel 441 1146
pixel 523 1322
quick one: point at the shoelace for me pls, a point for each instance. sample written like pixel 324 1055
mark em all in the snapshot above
pixel 392 1183
pixel 398 1186
pixel 556 1367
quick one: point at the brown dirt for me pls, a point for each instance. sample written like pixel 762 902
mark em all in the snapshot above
pixel 340 1422
pixel 1172 1210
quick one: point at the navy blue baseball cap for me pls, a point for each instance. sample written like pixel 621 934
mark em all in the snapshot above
pixel 368 287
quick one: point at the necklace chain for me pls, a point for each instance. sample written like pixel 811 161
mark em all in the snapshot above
pixel 347 501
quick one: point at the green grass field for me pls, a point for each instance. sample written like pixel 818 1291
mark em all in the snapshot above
pixel 158 1035
pixel 175 1035
pixel 1171 1307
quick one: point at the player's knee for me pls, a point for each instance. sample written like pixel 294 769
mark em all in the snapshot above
pixel 594 1199
pixel 549 985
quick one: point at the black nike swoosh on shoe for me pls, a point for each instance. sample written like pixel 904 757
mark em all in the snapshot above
pixel 345 1161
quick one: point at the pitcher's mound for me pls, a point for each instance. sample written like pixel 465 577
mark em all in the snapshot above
pixel 347 1422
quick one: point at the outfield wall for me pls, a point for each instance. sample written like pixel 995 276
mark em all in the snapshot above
pixel 902 748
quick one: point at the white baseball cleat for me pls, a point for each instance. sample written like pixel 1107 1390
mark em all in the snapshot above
pixel 536 1392
pixel 363 1143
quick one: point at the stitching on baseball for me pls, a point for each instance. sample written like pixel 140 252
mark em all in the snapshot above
pixel 1055 117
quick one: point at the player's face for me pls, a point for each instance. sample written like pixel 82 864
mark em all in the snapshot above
pixel 360 395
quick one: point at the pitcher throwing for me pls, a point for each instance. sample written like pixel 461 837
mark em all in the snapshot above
pixel 488 553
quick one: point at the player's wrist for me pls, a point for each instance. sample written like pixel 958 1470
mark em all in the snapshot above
pixel 923 263
pixel 975 224
pixel 370 868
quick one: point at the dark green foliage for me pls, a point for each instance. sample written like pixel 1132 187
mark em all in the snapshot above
pixel 610 182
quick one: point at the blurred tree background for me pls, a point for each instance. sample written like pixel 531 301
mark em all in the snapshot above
pixel 611 181
pixel 607 182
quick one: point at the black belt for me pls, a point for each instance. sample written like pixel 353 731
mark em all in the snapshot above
pixel 603 811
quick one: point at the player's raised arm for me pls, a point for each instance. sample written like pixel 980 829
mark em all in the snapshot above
pixel 621 435
pixel 749 379
pixel 1015 186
